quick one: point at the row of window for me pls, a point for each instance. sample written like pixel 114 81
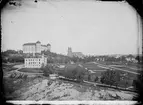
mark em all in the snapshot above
pixel 32 59
pixel 33 63
pixel 30 48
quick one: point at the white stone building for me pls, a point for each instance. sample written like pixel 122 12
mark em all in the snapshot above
pixel 35 62
pixel 35 47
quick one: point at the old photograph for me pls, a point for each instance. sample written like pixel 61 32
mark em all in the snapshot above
pixel 63 50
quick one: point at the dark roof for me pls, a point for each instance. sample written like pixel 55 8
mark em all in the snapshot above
pixel 29 44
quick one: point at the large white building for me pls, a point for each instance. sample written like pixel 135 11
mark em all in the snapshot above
pixel 35 62
pixel 35 47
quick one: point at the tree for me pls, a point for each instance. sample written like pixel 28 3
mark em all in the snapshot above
pixel 50 60
pixel 92 77
pixel 86 76
pixel 80 73
pixel 139 58
pixel 110 77
pixel 16 59
pixel 75 72
pixel 96 79
pixel 48 69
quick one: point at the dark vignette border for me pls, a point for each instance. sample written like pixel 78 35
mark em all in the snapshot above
pixel 138 6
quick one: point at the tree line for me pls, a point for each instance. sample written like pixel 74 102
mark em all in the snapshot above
pixel 60 58
pixel 109 77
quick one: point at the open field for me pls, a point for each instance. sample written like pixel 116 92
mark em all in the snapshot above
pixel 98 69
pixel 89 66
pixel 120 67
pixel 135 66
pixel 92 66
pixel 9 67
pixel 101 68
pixel 127 68
pixel 30 70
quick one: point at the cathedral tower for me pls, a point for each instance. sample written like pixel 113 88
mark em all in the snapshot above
pixel 70 52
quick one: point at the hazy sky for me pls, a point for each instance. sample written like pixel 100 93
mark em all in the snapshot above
pixel 86 26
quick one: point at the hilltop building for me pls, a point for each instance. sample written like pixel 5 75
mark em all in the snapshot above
pixel 35 47
pixel 35 62
pixel 74 54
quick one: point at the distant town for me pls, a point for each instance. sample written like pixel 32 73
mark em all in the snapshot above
pixel 118 72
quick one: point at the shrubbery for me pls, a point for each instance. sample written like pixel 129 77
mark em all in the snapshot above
pixel 110 77
pixel 77 73
pixel 92 77
pixel 18 75
pixel 48 69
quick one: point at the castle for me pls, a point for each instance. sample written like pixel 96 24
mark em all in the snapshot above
pixel 74 54
pixel 35 47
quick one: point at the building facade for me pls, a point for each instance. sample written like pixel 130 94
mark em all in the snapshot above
pixel 35 47
pixel 74 54
pixel 35 62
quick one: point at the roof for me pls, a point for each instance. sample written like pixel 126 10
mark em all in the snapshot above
pixel 29 44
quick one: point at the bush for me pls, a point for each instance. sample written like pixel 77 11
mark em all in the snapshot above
pixel 48 69
pixel 110 77
pixel 25 77
pixel 96 79
pixel 86 77
pixel 75 73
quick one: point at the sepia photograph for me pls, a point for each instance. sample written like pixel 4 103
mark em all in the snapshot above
pixel 70 50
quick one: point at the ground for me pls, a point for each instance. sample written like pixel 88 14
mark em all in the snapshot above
pixel 30 70
pixel 30 84
pixel 41 88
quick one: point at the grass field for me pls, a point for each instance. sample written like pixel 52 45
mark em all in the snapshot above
pixel 93 67
pixel 127 68
pixel 126 82
pixel 129 64
pixel 31 70
pixel 8 67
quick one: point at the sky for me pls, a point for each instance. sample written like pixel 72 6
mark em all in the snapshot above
pixel 93 28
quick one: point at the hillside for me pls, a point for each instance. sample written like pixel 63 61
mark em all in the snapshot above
pixel 42 88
